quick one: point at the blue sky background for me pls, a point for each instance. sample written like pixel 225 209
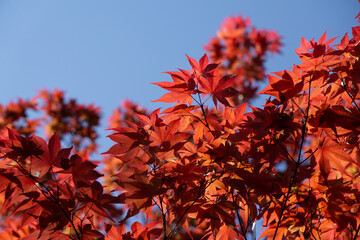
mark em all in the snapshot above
pixel 105 51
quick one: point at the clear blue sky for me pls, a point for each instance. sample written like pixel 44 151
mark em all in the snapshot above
pixel 105 51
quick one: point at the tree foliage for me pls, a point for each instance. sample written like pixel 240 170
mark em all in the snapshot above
pixel 207 167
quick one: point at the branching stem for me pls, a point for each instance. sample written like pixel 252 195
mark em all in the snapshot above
pixel 298 162
pixel 50 196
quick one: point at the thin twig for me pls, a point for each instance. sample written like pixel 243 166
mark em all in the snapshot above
pixel 239 217
pixel 343 85
pixel 357 232
pixel 48 194
pixel 163 215
pixel 192 204
pixel 298 163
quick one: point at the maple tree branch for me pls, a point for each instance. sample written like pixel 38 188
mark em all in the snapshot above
pixel 283 148
pixel 343 85
pixel 357 232
pixel 197 102
pixel 183 215
pixel 297 106
pixel 201 104
pixel 307 228
pixel 313 213
pixel 292 180
pixel 163 215
pixel 239 217
pixel 204 114
pixel 192 115
pixel 317 148
pixel 48 194
pixel 316 227
pixel 298 163
pixel 188 208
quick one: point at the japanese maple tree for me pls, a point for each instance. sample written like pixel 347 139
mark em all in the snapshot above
pixel 207 167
